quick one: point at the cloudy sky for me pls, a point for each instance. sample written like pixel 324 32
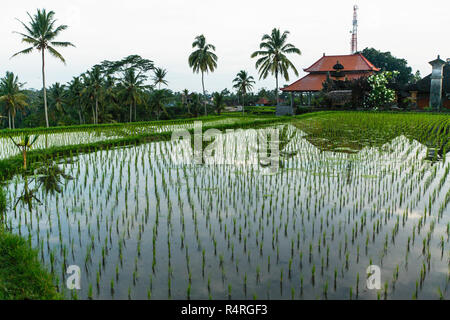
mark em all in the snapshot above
pixel 163 31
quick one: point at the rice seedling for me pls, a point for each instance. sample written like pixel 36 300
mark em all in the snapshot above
pixel 346 197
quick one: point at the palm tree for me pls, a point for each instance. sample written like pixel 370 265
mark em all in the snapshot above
pixel 272 56
pixel 243 83
pixel 58 96
pixel 24 146
pixel 111 96
pixel 203 59
pixel 218 102
pixel 195 104
pixel 185 98
pixel 132 89
pixel 160 74
pixel 157 101
pixel 93 88
pixel 11 96
pixel 75 93
pixel 40 34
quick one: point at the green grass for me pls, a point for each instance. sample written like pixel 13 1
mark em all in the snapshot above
pixel 355 130
pixel 21 274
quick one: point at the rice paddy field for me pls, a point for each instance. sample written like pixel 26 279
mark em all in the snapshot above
pixel 146 222
pixel 69 136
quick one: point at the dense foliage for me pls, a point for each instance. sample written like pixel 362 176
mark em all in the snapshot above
pixel 387 62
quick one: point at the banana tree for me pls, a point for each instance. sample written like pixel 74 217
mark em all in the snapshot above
pixel 24 146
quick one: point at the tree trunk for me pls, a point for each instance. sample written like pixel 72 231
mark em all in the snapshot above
pixel 204 94
pixel 93 114
pixel 24 152
pixel 9 118
pixel 243 103
pixel 135 111
pixel 131 112
pixel 13 120
pixel 45 90
pixel 276 77
pixel 96 110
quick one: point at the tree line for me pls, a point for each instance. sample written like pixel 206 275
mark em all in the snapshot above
pixel 119 91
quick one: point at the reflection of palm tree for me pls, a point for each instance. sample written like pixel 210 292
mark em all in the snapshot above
pixel 349 169
pixel 27 196
pixel 50 178
pixel 284 138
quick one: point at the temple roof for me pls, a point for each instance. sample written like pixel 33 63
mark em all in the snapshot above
pixel 263 101
pixel 351 62
pixel 314 81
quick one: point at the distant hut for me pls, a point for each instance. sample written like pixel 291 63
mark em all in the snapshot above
pixel 262 102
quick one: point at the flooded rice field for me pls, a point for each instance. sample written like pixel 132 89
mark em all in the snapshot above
pixel 144 222
pixel 61 138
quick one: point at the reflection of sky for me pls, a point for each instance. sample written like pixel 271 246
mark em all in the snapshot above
pixel 309 196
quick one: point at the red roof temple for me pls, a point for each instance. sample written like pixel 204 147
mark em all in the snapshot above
pixel 341 67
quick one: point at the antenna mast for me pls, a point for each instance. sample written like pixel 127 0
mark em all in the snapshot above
pixel 354 32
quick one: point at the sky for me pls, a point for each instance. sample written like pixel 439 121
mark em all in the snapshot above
pixel 163 31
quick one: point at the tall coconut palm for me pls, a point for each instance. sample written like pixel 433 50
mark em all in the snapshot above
pixel 40 33
pixel 203 59
pixel 75 94
pixel 159 76
pixel 110 98
pixel 243 83
pixel 272 56
pixel 132 89
pixel 185 99
pixel 11 96
pixel 58 97
pixel 93 89
pixel 157 101
pixel 195 104
pixel 218 102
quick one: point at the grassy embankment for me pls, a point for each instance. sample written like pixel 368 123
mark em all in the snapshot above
pixel 21 274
